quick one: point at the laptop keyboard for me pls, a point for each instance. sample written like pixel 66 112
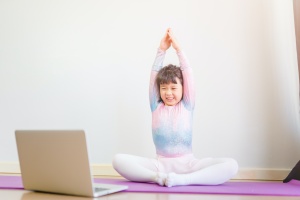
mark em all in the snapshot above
pixel 100 189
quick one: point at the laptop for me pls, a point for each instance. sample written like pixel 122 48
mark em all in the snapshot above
pixel 56 161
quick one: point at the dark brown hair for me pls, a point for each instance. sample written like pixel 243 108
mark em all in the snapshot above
pixel 168 74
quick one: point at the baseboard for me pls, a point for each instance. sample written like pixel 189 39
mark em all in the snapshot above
pixel 9 168
pixel 262 174
pixel 107 170
pixel 97 169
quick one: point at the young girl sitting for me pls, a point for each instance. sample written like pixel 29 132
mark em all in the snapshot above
pixel 172 100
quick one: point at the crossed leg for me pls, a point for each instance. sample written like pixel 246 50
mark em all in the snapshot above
pixel 138 169
pixel 213 171
pixel 207 171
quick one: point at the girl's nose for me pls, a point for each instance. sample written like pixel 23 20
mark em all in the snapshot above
pixel 169 92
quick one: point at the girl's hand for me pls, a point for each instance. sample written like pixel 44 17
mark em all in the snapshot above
pixel 165 42
pixel 174 41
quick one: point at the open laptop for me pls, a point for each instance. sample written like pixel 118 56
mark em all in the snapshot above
pixel 57 162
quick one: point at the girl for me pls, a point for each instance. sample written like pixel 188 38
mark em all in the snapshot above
pixel 172 99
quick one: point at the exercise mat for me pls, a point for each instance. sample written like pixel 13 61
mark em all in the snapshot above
pixel 267 188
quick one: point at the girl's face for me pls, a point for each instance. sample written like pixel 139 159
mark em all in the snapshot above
pixel 171 93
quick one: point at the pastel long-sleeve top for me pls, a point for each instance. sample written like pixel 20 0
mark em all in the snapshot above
pixel 172 125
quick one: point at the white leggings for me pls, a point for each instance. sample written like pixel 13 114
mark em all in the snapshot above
pixel 183 170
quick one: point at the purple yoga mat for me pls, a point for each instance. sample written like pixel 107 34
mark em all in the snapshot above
pixel 238 188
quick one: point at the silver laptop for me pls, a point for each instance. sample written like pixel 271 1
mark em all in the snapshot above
pixel 57 162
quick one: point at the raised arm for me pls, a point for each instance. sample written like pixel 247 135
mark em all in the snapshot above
pixel 165 44
pixel 188 81
pixel 187 73
pixel 153 90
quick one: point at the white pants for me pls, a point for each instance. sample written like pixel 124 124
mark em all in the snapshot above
pixel 187 169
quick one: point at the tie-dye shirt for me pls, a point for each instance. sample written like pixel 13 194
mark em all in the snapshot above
pixel 172 125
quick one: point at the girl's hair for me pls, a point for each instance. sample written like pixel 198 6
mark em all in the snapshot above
pixel 168 74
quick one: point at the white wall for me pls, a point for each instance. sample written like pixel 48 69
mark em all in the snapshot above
pixel 76 64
